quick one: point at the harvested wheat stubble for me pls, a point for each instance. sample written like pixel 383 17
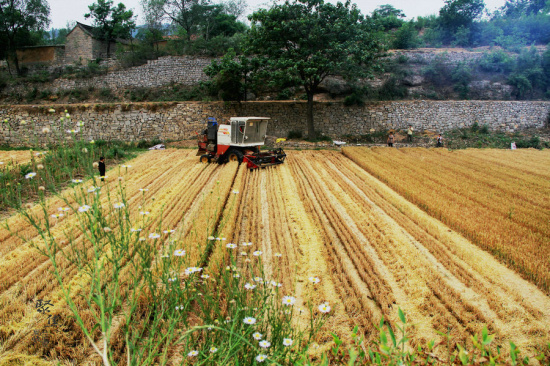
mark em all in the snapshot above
pixel 372 249
pixel 11 158
pixel 484 199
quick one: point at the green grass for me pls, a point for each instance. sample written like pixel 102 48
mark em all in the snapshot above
pixel 481 137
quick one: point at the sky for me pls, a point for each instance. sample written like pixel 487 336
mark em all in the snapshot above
pixel 64 11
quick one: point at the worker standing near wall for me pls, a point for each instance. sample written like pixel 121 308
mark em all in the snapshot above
pixel 101 167
pixel 410 134
pixel 390 139
pixel 439 141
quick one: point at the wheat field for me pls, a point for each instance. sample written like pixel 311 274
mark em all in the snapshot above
pixel 457 240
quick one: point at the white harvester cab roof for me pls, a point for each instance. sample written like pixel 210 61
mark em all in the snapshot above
pixel 247 131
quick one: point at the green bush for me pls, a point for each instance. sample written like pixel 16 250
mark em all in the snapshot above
pixel 462 76
pixel 294 135
pixel 496 62
pixel 355 98
pixel 391 89
pixel 438 72
pixel 406 37
pixel 40 77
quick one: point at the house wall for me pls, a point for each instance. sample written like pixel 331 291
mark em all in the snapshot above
pixel 99 49
pixel 44 54
pixel 78 46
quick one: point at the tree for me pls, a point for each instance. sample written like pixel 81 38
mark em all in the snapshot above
pixel 460 13
pixel 518 8
pixel 385 11
pixel 111 22
pixel 187 14
pixel 302 42
pixel 18 18
pixel 388 17
pixel 230 76
pixel 235 7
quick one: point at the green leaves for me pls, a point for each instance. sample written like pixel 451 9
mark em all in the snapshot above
pixel 111 21
pixel 401 315
pixel 300 43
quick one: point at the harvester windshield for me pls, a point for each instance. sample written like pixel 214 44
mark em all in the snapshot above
pixel 248 130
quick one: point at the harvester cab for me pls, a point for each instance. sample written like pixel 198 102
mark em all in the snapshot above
pixel 240 140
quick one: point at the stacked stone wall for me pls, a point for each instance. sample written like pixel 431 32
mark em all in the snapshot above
pixel 176 121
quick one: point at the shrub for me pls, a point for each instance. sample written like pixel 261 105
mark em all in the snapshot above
pixel 497 62
pixel 355 98
pixel 391 90
pixel 522 86
pixel 462 76
pixel 406 37
pixel 438 72
pixel 294 135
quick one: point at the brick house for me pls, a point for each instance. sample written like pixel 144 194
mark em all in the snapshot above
pixel 81 45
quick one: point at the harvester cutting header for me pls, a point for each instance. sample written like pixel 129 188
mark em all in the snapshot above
pixel 240 140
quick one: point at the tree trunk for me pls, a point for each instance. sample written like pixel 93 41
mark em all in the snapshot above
pixel 311 134
pixel 12 50
pixel 16 62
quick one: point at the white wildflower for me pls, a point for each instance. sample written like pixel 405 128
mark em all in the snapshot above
pixel 265 344
pixel 84 208
pixel 179 252
pixel 289 300
pixel 324 308
pixel 314 280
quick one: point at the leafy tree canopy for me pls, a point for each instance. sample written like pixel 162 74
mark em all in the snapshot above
pixel 460 13
pixel 385 11
pixel 111 22
pixel 518 8
pixel 302 42
pixel 388 17
pixel 18 19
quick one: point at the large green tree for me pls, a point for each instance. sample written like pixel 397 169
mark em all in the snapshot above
pixel 187 14
pixel 460 13
pixel 302 42
pixel 19 18
pixel 518 8
pixel 111 22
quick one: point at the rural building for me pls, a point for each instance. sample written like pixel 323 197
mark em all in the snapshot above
pixel 82 46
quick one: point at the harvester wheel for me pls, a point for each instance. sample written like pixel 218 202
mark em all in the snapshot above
pixel 235 155
pixel 205 159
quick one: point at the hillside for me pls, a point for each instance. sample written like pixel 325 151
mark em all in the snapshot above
pixel 438 74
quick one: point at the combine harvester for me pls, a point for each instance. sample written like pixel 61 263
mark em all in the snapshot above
pixel 240 140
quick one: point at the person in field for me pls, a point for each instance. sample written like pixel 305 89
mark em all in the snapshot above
pixel 101 167
pixel 410 134
pixel 439 141
pixel 390 139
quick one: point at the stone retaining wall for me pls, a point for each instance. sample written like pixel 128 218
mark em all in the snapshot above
pixel 176 121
